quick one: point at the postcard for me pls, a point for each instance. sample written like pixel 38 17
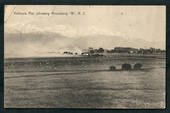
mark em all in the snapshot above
pixel 85 56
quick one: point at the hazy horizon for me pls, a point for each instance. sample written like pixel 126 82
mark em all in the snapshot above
pixel 96 26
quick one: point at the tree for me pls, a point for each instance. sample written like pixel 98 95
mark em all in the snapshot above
pixel 100 50
pixel 91 51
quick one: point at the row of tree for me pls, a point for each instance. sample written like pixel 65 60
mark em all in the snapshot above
pixel 126 50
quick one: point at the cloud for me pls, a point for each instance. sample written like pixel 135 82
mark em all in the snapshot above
pixel 54 44
pixel 26 40
pixel 101 26
pixel 65 30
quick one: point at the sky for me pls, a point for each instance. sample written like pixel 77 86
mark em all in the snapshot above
pixel 47 34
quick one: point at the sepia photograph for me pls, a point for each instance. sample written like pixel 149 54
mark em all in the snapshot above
pixel 85 56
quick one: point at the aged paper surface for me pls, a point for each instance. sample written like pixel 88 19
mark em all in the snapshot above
pixel 75 56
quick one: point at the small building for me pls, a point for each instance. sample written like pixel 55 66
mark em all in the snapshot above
pixel 125 50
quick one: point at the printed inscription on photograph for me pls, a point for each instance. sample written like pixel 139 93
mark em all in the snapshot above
pixel 75 56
